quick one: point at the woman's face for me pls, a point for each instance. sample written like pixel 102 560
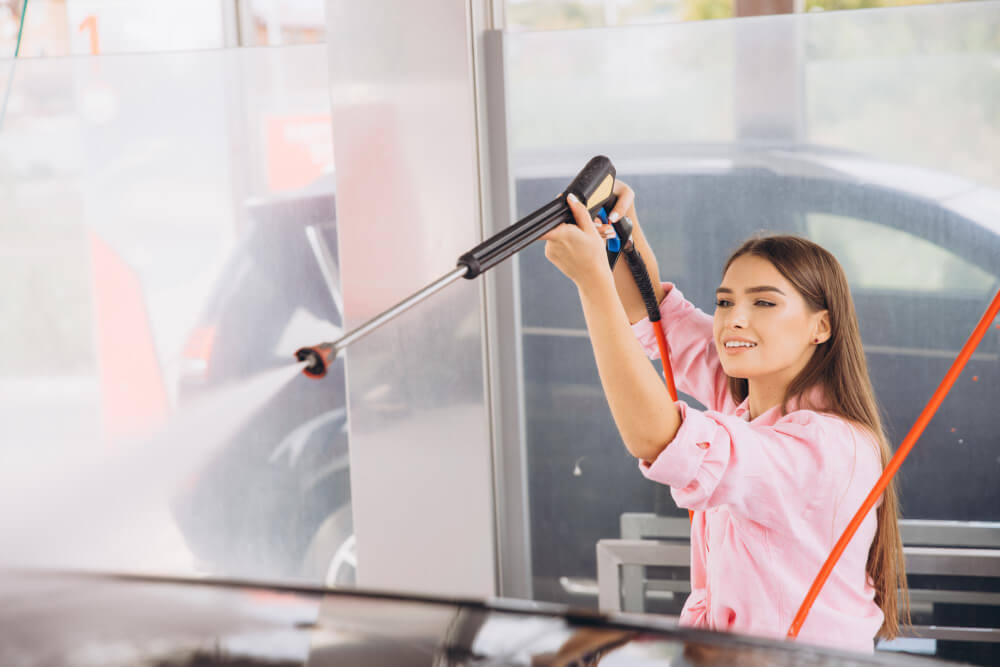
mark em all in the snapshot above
pixel 763 327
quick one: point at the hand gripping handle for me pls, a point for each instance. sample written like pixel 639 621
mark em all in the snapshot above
pixel 593 186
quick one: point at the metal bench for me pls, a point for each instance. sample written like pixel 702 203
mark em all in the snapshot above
pixel 935 548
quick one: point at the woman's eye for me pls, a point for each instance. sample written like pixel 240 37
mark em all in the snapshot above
pixel 762 302
pixel 722 303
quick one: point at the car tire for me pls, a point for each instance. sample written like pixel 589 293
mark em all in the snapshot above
pixel 331 559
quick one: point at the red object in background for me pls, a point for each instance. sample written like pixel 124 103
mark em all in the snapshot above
pixel 378 196
pixel 133 394
pixel 198 350
pixel 90 23
pixel 299 150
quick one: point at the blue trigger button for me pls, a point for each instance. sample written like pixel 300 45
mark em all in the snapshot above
pixel 615 244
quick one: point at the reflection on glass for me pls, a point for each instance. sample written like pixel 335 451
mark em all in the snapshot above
pixel 575 14
pixel 569 14
pixel 155 214
pixel 276 22
pixel 96 27
pixel 10 27
pixel 876 257
pixel 124 620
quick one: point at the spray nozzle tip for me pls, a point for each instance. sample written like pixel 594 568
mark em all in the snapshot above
pixel 317 357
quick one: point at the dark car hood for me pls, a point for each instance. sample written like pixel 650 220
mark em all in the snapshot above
pixel 49 618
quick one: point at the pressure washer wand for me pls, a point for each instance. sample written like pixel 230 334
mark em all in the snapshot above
pixel 320 356
pixel 593 185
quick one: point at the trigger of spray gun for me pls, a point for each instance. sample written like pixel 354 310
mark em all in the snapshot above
pixel 623 235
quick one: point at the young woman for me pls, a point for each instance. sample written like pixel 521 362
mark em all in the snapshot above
pixel 789 447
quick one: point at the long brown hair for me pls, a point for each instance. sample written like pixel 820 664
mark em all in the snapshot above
pixel 838 366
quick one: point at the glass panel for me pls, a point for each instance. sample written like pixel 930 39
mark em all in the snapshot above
pixel 868 132
pixel 570 14
pixel 670 84
pixel 155 223
pixel 407 199
pixel 10 27
pixel 92 27
pixel 563 14
pixel 275 22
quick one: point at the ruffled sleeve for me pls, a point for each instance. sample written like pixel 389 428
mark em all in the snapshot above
pixel 761 472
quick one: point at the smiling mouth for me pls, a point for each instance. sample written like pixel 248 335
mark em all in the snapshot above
pixel 735 345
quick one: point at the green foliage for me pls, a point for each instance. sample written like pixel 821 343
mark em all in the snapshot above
pixel 540 15
pixel 700 10
pixel 832 5
pixel 563 14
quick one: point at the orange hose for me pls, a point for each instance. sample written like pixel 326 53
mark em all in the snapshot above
pixel 668 372
pixel 896 462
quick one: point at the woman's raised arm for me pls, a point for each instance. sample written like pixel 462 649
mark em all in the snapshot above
pixel 695 362
pixel 646 417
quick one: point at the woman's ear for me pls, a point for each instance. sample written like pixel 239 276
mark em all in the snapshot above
pixel 821 328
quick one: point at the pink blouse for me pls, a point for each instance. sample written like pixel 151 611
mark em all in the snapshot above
pixel 772 496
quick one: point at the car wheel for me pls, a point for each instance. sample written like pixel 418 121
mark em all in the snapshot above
pixel 331 559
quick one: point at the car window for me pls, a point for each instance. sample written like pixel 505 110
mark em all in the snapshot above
pixel 879 257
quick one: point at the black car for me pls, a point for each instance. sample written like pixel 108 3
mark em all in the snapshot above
pixel 275 500
pixel 56 619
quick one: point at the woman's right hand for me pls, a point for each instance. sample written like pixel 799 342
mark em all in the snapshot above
pixel 624 282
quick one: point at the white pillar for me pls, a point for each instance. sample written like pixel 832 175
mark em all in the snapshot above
pixel 407 159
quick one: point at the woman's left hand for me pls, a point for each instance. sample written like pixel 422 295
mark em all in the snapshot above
pixel 579 250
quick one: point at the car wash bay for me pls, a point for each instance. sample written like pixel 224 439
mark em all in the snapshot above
pixel 169 241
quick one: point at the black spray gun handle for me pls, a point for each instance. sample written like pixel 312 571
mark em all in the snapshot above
pixel 592 186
